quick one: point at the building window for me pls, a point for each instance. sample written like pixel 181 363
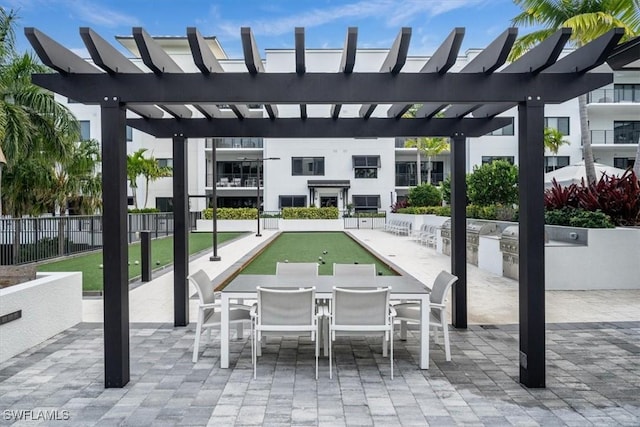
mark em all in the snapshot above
pixel 293 201
pixel 552 163
pixel 85 130
pixel 406 174
pixel 129 200
pixel 72 101
pixel 559 123
pixel 504 131
pixel 307 166
pixel 129 133
pixel 366 166
pixel 626 132
pixel 366 203
pixel 626 93
pixel 165 163
pixel 489 159
pixel 623 162
pixel 164 204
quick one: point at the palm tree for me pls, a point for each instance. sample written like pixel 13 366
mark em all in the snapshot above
pixel 152 171
pixel 31 123
pixel 553 140
pixel 135 168
pixel 430 147
pixel 588 20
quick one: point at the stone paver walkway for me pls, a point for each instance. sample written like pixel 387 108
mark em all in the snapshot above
pixel 593 365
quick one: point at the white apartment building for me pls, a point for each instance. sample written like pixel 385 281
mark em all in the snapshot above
pixel 367 173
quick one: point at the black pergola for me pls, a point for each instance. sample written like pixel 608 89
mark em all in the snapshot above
pixel 474 96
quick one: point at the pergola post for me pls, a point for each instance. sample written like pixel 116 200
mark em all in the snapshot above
pixel 531 252
pixel 459 230
pixel 114 242
pixel 180 233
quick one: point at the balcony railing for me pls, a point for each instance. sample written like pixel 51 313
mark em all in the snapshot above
pixel 234 142
pixel 623 95
pixel 613 137
pixel 233 181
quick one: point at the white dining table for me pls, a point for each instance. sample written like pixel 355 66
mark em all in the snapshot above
pixel 244 286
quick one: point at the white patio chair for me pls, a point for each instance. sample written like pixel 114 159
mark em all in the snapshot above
pixel 224 182
pixel 361 312
pixel 284 312
pixel 208 317
pixel 354 269
pixel 438 318
pixel 296 269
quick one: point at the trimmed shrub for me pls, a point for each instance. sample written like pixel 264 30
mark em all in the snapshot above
pixel 425 195
pixel 573 217
pixel 310 213
pixel 144 210
pixel 231 213
pixel 493 183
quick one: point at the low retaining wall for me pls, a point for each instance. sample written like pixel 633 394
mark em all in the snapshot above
pixel 49 305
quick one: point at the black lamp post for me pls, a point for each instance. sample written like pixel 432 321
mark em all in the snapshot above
pixel 259 162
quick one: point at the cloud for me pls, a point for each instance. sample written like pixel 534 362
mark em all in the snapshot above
pixel 102 16
pixel 393 13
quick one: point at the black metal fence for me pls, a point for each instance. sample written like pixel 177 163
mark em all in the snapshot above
pixel 365 220
pixel 25 240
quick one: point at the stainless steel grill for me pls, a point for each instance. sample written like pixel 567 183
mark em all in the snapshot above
pixel 445 233
pixel 510 247
pixel 474 231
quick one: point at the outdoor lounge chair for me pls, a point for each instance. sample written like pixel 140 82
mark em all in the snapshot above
pixel 284 312
pixel 208 317
pixel 361 312
pixel 438 318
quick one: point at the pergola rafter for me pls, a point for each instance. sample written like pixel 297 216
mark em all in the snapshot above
pixel 117 84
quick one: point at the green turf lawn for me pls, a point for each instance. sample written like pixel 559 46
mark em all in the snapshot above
pixel 308 247
pixel 161 250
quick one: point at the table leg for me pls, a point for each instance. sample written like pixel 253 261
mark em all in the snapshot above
pixel 424 332
pixel 240 325
pixel 224 332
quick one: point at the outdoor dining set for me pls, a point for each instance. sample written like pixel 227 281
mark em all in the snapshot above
pixel 296 301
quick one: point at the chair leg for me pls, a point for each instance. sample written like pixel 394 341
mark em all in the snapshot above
pixel 254 356
pixel 330 358
pixel 384 344
pixel 196 343
pixel 403 330
pixel 447 350
pixel 317 352
pixel 391 355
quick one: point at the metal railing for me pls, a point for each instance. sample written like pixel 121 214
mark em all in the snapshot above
pixel 615 137
pixel 618 95
pixel 25 240
pixel 364 220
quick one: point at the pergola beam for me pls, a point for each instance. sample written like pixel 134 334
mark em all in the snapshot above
pixel 320 128
pixel 626 56
pixel 55 56
pixel 542 55
pixel 147 111
pixel 289 88
pixel 347 61
pixel 152 54
pixel 204 59
pixel 393 63
pixel 104 55
pixel 300 62
pixel 494 55
pixel 588 56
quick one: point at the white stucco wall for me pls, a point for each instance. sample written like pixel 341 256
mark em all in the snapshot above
pixel 50 304
pixel 611 260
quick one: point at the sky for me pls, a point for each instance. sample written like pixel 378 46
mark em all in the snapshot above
pixel 272 22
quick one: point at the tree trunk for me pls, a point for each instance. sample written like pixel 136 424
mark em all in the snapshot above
pixel 636 165
pixel 587 151
pixel 418 168
pixel 134 192
pixel 429 170
pixel 146 193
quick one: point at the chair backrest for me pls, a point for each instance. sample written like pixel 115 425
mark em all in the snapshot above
pixel 360 306
pixel 296 269
pixel 202 282
pixel 441 287
pixel 293 307
pixel 354 269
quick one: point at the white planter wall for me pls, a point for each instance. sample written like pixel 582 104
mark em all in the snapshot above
pixel 50 304
pixel 311 224
pixel 228 225
pixel 611 260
